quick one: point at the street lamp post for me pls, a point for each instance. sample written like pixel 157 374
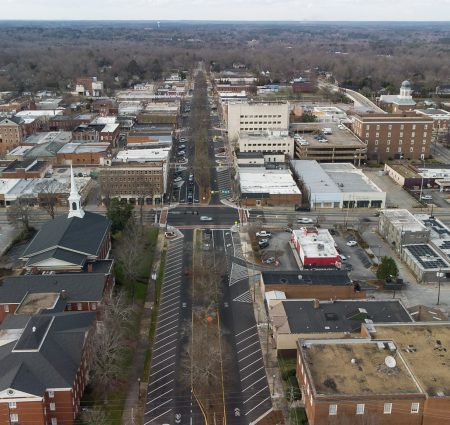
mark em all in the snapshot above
pixel 439 275
pixel 273 384
pixel 139 388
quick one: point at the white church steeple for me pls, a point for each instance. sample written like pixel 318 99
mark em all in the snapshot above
pixel 74 199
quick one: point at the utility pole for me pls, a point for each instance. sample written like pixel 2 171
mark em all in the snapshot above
pixel 439 275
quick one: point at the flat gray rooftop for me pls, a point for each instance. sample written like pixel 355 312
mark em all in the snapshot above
pixel 314 176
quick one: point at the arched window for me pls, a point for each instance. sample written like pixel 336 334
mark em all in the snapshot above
pixel 74 206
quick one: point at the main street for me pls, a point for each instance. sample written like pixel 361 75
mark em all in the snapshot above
pixel 245 388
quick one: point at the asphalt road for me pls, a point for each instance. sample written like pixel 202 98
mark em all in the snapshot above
pixel 188 216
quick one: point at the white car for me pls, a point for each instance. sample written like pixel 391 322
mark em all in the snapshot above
pixel 263 234
pixel 352 243
pixel 305 220
pixel 205 218
pixel 177 179
pixel 426 197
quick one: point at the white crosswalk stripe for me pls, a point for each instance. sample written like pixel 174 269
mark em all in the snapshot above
pixel 244 298
pixel 238 273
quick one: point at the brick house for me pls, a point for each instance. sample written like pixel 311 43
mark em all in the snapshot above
pixel 30 294
pixel 394 136
pixel 44 364
pixel 11 133
pixel 89 86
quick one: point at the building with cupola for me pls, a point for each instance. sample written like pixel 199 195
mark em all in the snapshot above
pixel 399 102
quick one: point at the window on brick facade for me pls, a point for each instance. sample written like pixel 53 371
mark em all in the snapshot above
pixel 387 408
pixel 51 394
pixel 332 409
pixel 6 308
pixel 12 405
pixel 52 406
pixel 360 408
pixel 79 306
pixel 415 407
pixel 14 417
pixel 54 421
pixel 387 149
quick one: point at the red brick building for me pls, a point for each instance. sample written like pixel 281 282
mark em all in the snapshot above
pixel 105 107
pixel 26 169
pixel 44 365
pixel 89 290
pixel 394 136
pixel 396 374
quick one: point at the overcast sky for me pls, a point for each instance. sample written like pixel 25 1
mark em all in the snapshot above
pixel 289 10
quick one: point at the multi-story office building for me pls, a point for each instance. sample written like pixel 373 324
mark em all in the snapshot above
pixel 256 117
pixel 394 136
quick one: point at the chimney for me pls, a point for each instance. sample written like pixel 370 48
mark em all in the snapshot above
pixel 63 294
pixel 316 303
pixel 90 268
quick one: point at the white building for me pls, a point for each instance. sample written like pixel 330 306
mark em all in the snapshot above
pixel 256 117
pixel 337 185
pixel 440 118
pixel 402 101
pixel 268 142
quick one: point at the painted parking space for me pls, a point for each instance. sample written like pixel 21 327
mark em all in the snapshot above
pixel 161 388
pixel 255 398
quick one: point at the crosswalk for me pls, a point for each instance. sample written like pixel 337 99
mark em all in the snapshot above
pixel 224 182
pixel 238 273
pixel 245 297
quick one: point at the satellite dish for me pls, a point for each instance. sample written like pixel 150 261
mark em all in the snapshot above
pixel 389 361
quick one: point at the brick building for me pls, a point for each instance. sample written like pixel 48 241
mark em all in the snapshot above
pixel 137 176
pixel 105 107
pixel 440 118
pixel 91 153
pixel 89 290
pixel 44 366
pixel 89 86
pixel 399 376
pixel 394 136
pixel 11 134
pixel 27 169
pixel 311 284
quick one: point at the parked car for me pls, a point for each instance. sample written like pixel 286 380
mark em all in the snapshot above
pixel 342 257
pixel 178 179
pixel 288 229
pixel 352 243
pixel 332 231
pixel 263 243
pixel 348 267
pixel 263 234
pixel 169 235
pixel 205 218
pixel 305 220
pixel 181 153
pixel 181 147
pixel 270 260
pixel 426 198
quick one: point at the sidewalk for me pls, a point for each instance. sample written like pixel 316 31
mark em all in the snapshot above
pixel 137 390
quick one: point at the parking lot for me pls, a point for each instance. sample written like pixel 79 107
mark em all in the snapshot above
pixel 161 388
pixel 396 196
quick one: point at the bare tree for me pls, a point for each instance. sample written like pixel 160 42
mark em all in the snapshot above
pixel 20 212
pixel 48 197
pixel 107 358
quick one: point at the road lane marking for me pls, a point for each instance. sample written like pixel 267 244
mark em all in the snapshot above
pixel 157 407
pixel 250 364
pixel 171 305
pixel 254 395
pixel 251 410
pixel 168 343
pixel 240 333
pixel 154 419
pixel 251 385
pixel 165 352
pixel 162 339
pixel 167 330
pixel 176 314
pixel 245 339
pixel 160 370
pixel 162 377
pixel 162 361
pixel 156 398
pixel 251 354
pixel 248 376
pixel 157 388
pixel 247 347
